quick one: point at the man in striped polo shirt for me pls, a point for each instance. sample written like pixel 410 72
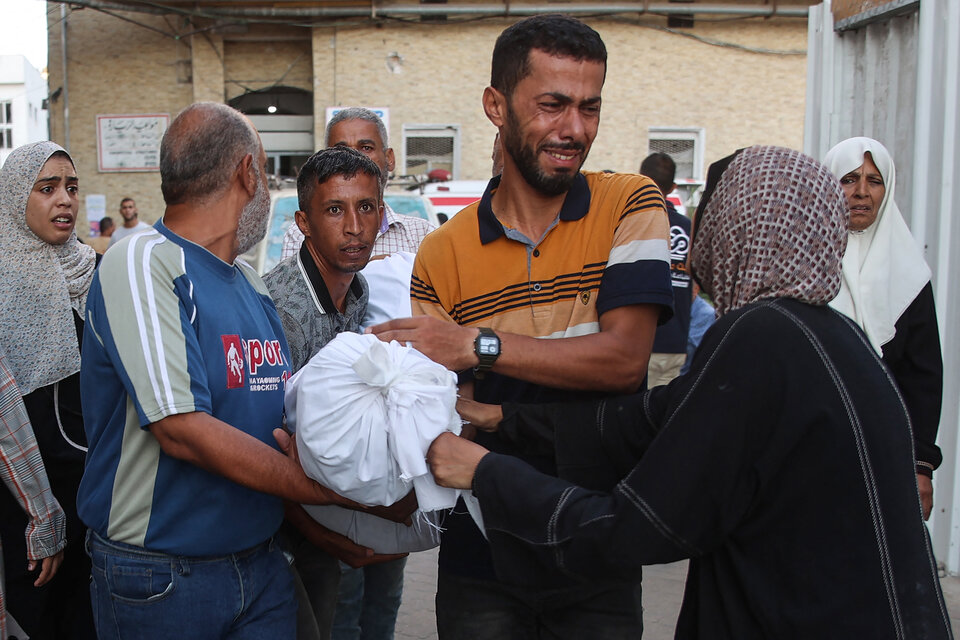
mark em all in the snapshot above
pixel 549 288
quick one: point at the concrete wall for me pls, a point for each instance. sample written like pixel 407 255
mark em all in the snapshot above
pixel 427 73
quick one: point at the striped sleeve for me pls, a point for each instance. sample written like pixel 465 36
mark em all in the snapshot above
pixel 22 471
pixel 148 311
pixel 638 267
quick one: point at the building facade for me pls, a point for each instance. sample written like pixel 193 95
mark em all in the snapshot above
pixel 697 85
pixel 23 116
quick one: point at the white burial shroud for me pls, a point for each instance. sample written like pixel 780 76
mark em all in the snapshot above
pixel 365 412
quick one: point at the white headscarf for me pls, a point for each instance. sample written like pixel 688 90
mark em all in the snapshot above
pixel 40 284
pixel 883 269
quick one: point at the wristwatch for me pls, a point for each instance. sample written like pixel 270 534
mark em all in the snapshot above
pixel 487 347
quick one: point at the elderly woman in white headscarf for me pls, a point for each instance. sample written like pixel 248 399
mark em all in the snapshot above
pixel 776 464
pixel 46 273
pixel 886 290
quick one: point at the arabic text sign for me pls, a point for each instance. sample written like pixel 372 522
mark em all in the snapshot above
pixel 130 142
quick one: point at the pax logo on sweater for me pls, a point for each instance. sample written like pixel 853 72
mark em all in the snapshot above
pixel 255 352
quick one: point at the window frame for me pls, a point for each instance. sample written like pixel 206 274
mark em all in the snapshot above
pixel 6 124
pixel 696 134
pixel 423 130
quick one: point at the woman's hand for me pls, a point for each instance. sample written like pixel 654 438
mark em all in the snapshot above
pixel 925 485
pixel 453 460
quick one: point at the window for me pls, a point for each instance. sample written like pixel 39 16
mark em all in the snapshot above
pixel 431 146
pixel 684 145
pixel 6 120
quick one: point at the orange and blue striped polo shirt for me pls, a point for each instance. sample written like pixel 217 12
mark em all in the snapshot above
pixel 608 248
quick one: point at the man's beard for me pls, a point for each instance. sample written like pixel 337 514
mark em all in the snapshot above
pixel 525 159
pixel 254 219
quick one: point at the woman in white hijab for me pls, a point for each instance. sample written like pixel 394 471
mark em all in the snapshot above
pixel 45 273
pixel 886 290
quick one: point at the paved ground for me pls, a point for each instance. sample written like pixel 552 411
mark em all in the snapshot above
pixel 662 592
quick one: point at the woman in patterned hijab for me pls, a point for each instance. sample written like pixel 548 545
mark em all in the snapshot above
pixel 773 226
pixel 778 465
pixel 45 274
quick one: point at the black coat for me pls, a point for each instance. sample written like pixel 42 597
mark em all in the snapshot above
pixel 780 465
pixel 913 356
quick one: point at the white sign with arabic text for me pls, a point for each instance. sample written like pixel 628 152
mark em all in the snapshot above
pixel 130 142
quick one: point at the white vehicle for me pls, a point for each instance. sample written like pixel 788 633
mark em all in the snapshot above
pixel 413 204
pixel 450 197
pixel 265 255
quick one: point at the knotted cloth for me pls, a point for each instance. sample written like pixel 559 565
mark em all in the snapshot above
pixel 365 412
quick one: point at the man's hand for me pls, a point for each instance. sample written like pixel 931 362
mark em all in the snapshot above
pixel 339 546
pixel 322 495
pixel 400 511
pixel 925 485
pixel 486 417
pixel 343 548
pixel 287 443
pixel 443 342
pixel 453 460
pixel 48 569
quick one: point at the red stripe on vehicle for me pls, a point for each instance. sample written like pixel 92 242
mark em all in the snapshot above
pixel 451 201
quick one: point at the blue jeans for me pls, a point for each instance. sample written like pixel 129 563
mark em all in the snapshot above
pixel 145 595
pixel 369 601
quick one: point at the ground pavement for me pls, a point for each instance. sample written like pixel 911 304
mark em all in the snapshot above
pixel 662 592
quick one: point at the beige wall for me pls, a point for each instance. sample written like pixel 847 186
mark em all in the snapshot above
pixel 655 78
pixel 250 65
pixel 115 68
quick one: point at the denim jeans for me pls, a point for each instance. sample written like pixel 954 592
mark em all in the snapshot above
pixel 469 609
pixel 145 595
pixel 369 601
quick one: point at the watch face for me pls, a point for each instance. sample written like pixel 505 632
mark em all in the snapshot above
pixel 488 346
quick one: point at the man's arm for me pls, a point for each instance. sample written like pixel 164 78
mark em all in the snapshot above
pixel 211 444
pixel 634 289
pixel 614 359
pixel 339 546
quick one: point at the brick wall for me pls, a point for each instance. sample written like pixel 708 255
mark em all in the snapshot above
pixel 115 67
pixel 436 75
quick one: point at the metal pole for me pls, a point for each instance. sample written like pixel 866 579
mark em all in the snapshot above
pixel 63 61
